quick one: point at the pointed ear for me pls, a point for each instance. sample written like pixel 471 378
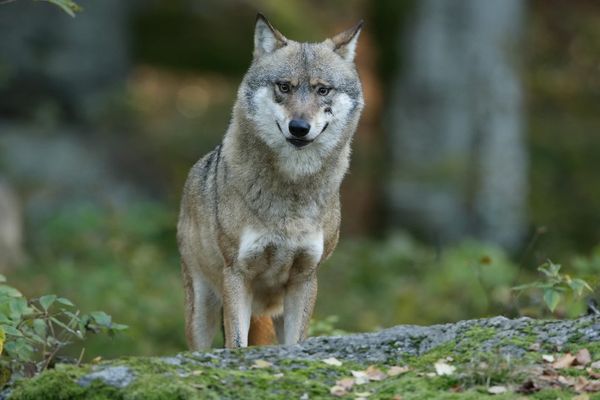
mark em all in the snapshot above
pixel 266 38
pixel 344 43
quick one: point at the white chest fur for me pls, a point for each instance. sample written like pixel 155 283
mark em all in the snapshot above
pixel 267 252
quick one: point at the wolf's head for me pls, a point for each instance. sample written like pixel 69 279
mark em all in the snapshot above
pixel 303 99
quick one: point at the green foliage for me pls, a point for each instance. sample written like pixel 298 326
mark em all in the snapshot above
pixel 34 331
pixel 556 286
pixel 124 262
pixel 325 327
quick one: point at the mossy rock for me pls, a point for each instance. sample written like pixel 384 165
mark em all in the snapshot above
pixel 482 353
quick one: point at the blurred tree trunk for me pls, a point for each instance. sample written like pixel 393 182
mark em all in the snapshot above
pixel 52 63
pixel 458 162
pixel 11 229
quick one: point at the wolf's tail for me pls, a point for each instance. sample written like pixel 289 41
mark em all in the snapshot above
pixel 261 332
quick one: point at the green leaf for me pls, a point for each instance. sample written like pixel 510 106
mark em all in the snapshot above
pixel 39 327
pixel 65 301
pixel 47 301
pixel 11 330
pixel 551 298
pixel 101 318
pixel 579 285
pixel 9 291
pixel 19 308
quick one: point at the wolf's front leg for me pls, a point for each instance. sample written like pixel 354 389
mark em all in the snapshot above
pixel 237 308
pixel 298 306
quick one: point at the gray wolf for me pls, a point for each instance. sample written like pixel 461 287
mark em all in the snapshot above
pixel 261 212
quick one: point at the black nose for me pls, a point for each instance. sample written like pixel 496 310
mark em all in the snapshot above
pixel 299 127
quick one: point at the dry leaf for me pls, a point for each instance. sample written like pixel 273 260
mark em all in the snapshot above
pixel 261 364
pixel 535 347
pixel 549 358
pixel 593 374
pixel 346 383
pixel 566 380
pixel 497 389
pixel 197 372
pixel 595 365
pixel 360 377
pixel 362 394
pixel 564 362
pixel 375 374
pixel 332 361
pixel 442 368
pixel 580 384
pixel 583 357
pixel 395 370
pixel 338 391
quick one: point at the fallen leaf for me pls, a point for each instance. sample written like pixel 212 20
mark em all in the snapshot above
pixel 535 347
pixel 362 394
pixel 566 380
pixel 442 368
pixel 564 362
pixel 395 370
pixel 549 358
pixel 497 389
pixel 580 384
pixel 197 372
pixel 96 360
pixel 595 365
pixel 593 386
pixel 583 357
pixel 346 383
pixel 332 361
pixel 338 391
pixel 375 374
pixel 361 377
pixel 593 374
pixel 261 364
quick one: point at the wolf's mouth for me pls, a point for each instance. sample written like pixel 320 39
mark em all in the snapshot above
pixel 299 142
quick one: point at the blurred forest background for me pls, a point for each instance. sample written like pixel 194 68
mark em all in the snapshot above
pixel 477 157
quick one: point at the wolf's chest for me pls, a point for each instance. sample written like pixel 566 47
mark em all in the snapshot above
pixel 268 257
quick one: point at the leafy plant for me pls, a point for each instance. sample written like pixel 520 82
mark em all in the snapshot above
pixel 325 327
pixel 556 285
pixel 34 331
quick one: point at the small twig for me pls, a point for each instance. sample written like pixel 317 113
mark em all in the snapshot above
pixel 80 356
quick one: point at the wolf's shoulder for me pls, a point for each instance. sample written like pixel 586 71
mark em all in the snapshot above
pixel 204 168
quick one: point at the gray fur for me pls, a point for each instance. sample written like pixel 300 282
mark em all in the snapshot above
pixel 258 215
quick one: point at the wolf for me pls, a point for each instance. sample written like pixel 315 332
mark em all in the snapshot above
pixel 261 212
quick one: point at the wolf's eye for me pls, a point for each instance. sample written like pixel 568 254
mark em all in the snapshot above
pixel 283 87
pixel 323 91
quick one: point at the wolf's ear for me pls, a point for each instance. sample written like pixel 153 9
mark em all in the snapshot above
pixel 344 43
pixel 266 38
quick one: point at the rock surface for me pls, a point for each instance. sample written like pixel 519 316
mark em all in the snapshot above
pixel 513 347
